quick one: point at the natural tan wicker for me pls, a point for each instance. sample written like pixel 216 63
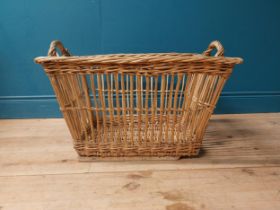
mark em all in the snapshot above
pixel 137 105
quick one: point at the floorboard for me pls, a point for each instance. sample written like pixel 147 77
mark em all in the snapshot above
pixel 238 168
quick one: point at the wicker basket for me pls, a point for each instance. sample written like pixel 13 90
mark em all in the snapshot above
pixel 137 105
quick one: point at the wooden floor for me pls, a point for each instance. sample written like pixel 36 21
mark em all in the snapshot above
pixel 239 168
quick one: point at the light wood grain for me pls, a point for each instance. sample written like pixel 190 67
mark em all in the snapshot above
pixel 238 169
pixel 254 188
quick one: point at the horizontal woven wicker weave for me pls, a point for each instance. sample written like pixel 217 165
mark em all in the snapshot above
pixel 137 105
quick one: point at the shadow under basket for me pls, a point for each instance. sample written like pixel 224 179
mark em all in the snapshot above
pixel 137 106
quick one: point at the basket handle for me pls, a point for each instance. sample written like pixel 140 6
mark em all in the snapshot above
pixel 57 44
pixel 214 45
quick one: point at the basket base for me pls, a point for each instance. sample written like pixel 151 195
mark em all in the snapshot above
pixel 120 153
pixel 82 158
pixel 136 158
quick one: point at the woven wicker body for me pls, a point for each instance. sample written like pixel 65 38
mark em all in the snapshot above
pixel 137 105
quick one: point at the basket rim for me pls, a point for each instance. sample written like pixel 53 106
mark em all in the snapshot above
pixel 138 58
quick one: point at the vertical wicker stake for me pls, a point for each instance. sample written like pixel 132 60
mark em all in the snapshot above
pixel 127 106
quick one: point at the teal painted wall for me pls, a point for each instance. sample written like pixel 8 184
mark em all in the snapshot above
pixel 249 29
